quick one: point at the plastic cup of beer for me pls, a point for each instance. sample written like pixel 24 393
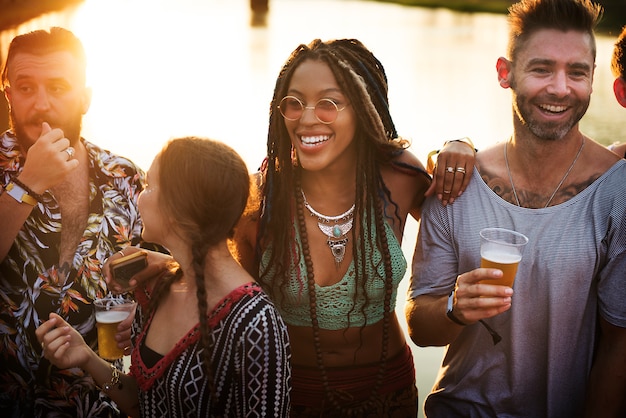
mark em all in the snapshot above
pixel 501 249
pixel 110 311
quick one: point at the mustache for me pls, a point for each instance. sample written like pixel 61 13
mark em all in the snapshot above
pixel 38 119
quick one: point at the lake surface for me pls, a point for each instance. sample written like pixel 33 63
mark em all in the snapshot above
pixel 166 68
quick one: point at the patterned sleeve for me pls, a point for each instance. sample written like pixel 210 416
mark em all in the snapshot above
pixel 266 372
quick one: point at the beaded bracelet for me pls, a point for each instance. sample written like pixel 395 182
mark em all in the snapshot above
pixel 115 380
pixel 37 196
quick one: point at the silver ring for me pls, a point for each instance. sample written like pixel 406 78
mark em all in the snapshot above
pixel 70 152
pixel 446 192
pixel 450 169
pixel 121 252
pixel 460 170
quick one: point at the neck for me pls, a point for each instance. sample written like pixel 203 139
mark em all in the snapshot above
pixel 540 182
pixel 329 195
pixel 220 268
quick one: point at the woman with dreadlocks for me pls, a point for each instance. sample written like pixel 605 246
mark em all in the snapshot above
pixel 335 192
pixel 212 344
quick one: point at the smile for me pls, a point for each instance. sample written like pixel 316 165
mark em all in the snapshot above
pixel 553 108
pixel 314 140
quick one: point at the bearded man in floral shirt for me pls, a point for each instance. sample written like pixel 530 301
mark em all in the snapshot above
pixel 66 205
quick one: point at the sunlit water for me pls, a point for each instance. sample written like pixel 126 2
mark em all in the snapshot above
pixel 161 69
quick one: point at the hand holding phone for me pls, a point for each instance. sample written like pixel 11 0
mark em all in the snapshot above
pixel 126 267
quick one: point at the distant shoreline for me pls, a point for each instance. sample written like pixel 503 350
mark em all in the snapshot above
pixel 611 23
pixel 16 12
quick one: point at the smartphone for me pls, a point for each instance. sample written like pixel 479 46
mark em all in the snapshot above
pixel 126 267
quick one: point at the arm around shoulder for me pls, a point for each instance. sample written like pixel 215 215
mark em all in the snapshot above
pixel 408 181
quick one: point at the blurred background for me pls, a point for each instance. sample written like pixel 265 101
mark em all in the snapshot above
pixel 166 68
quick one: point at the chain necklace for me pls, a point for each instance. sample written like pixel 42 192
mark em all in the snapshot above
pixel 508 170
pixel 337 239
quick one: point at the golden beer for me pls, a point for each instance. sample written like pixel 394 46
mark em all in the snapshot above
pixel 107 322
pixel 502 260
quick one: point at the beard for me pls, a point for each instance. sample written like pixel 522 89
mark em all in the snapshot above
pixel 71 130
pixel 551 131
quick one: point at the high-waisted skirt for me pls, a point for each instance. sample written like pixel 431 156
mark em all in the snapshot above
pixel 351 390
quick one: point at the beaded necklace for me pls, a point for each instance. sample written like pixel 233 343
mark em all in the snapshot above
pixel 315 323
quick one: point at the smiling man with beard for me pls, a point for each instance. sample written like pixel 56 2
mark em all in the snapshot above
pixel 65 206
pixel 563 324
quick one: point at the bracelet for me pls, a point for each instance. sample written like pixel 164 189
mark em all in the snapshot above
pixel 19 194
pixel 465 140
pixel 430 164
pixel 37 196
pixel 115 380
pixel 450 313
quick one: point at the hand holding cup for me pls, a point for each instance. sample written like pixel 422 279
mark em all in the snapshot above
pixel 501 249
pixel 109 312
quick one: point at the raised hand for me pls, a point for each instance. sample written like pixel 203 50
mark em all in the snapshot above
pixel 49 160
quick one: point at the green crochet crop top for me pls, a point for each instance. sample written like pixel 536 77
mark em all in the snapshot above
pixel 335 303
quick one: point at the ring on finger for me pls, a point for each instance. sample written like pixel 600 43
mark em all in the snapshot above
pixel 450 169
pixel 460 170
pixel 43 345
pixel 70 152
pixel 121 252
pixel 446 192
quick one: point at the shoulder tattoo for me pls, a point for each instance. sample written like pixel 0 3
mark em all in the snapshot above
pixel 529 198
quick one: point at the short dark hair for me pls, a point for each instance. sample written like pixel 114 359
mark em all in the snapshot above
pixel 528 16
pixel 618 60
pixel 42 42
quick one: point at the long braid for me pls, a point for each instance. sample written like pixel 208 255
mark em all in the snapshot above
pixel 199 249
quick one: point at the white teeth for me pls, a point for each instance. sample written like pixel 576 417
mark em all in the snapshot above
pixel 554 109
pixel 312 140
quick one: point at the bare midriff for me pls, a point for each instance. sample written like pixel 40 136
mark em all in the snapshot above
pixel 345 347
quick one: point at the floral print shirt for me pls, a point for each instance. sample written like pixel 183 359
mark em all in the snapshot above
pixel 31 286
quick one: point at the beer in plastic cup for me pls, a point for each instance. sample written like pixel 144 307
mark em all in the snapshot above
pixel 109 313
pixel 501 249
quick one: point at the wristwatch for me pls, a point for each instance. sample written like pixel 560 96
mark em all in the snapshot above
pixel 449 312
pixel 19 194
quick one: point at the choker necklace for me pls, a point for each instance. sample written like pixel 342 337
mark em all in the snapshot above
pixel 336 233
pixel 508 170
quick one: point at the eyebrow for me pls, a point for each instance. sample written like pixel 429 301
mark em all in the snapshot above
pixel 21 77
pixel 326 91
pixel 545 61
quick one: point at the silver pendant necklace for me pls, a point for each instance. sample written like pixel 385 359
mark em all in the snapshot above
pixel 336 233
pixel 508 170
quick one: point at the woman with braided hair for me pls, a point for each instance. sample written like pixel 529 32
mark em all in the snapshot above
pixel 334 195
pixel 211 343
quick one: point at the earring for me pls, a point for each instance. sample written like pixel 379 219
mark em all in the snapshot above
pixel 294 157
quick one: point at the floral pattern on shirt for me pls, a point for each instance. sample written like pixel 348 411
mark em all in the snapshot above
pixel 31 286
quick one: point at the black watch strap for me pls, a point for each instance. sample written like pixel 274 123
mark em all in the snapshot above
pixel 449 312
